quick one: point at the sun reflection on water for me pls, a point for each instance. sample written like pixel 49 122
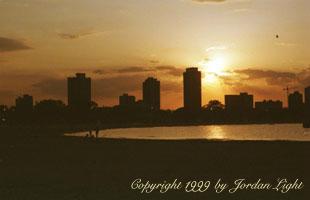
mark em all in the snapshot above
pixel 216 132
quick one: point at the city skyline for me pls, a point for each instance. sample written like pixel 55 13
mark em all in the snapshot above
pixel 79 96
pixel 257 46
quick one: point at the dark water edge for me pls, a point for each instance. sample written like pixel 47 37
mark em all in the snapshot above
pixel 56 167
pixel 65 128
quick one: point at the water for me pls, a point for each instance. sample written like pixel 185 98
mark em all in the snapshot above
pixel 222 132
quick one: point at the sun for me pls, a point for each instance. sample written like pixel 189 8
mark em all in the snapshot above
pixel 213 68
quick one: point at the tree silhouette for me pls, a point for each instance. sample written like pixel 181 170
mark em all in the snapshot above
pixel 93 105
pixel 213 106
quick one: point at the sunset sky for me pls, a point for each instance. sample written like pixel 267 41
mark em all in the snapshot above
pixel 120 43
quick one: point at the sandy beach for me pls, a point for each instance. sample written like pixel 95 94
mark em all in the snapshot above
pixel 58 167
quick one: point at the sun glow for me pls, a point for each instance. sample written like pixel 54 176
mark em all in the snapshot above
pixel 212 69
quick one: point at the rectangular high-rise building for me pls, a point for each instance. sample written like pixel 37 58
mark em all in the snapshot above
pixel 127 100
pixel 192 89
pixel 79 92
pixel 151 93
pixel 295 102
pixel 307 97
pixel 239 103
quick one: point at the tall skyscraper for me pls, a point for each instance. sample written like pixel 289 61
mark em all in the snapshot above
pixel 192 89
pixel 79 92
pixel 295 102
pixel 239 103
pixel 24 104
pixel 151 93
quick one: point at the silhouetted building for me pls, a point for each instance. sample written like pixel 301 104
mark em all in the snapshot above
pixel 127 100
pixel 306 114
pixel 239 103
pixel 24 104
pixel 192 89
pixel 295 103
pixel 151 93
pixel 79 92
pixel 268 106
pixel 307 97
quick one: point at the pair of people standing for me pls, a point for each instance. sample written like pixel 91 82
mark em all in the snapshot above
pixel 97 129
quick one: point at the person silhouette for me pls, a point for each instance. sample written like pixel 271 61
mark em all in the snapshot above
pixel 97 128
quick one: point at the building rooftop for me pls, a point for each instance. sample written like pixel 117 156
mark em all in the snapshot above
pixel 80 75
pixel 192 69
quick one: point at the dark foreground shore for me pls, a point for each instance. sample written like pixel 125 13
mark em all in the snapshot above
pixel 68 168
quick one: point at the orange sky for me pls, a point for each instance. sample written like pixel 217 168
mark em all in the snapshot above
pixel 119 43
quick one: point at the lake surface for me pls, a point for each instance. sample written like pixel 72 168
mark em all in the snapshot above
pixel 221 132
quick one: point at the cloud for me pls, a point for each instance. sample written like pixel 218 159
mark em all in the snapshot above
pixel 257 90
pixel 112 87
pixel 134 70
pixel 68 36
pixel 286 44
pixel 272 77
pixel 208 1
pixel 51 87
pixel 172 87
pixel 99 71
pixel 154 61
pixel 258 73
pixel 303 77
pixel 242 10
pixel 171 70
pixel 8 44
pixel 222 1
pixel 126 81
pixel 72 36
pixel 216 48
pixel 167 69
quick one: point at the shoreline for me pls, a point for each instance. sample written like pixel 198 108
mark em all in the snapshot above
pixel 73 127
pixel 127 126
pixel 199 140
pixel 156 133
